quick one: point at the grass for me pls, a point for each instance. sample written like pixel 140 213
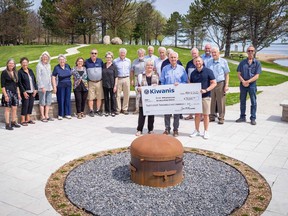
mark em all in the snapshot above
pixel 34 51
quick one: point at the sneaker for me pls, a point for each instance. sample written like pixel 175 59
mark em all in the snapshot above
pixel 212 120
pixel 150 132
pixel 175 133
pixel 83 115
pixel 113 114
pixel 50 119
pixel 68 117
pixel 136 112
pixel 206 135
pixel 106 114
pixel 166 132
pixel 241 120
pixel 79 116
pixel 8 127
pixel 138 133
pixel 117 113
pixel 194 134
pixel 15 124
pixel 253 122
pixel 91 113
pixel 60 118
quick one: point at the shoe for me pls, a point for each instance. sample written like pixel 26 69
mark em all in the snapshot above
pixel 117 113
pixel 59 118
pixel 166 132
pixel 16 125
pixel 106 114
pixel 136 112
pixel 188 117
pixel 50 119
pixel 206 135
pixel 30 122
pixel 138 133
pixel 212 120
pixel 194 134
pixel 113 114
pixel 181 116
pixel 98 113
pixel 44 120
pixel 68 117
pixel 79 116
pixel 91 113
pixel 221 121
pixel 8 127
pixel 125 112
pixel 253 122
pixel 150 132
pixel 83 115
pixel 241 120
pixel 175 133
pixel 24 123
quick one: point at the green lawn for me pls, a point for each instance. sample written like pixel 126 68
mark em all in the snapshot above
pixel 34 51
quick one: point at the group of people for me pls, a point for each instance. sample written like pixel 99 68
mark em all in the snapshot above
pixel 96 80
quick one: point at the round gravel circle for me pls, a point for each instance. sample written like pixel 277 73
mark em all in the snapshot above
pixel 103 187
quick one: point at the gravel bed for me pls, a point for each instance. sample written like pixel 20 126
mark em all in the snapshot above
pixel 103 187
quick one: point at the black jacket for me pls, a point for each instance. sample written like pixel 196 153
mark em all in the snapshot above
pixel 23 80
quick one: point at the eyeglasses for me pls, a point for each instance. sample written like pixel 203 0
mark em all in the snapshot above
pixel 250 51
pixel 94 53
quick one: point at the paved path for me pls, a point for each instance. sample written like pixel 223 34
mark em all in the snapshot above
pixel 70 51
pixel 30 154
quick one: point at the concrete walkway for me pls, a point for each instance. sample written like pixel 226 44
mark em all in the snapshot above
pixel 30 154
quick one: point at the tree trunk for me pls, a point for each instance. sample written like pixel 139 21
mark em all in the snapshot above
pixel 176 39
pixel 228 40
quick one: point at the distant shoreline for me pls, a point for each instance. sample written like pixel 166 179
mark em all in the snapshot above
pixel 270 57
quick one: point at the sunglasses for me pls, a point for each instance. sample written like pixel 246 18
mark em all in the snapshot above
pixel 250 51
pixel 94 53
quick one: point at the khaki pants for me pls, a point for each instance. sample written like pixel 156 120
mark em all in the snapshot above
pixel 218 99
pixel 123 85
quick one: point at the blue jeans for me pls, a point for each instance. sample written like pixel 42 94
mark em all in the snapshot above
pixel 252 90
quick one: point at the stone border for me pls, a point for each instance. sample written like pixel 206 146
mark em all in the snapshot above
pixel 257 201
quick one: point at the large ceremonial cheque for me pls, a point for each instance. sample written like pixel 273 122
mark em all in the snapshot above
pixel 171 99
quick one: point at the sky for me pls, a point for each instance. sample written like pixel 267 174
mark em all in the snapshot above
pixel 166 7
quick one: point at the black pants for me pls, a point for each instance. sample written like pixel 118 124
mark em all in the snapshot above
pixel 110 100
pixel 80 100
pixel 27 104
pixel 141 121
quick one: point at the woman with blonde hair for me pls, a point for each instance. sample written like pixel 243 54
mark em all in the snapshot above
pixel 10 94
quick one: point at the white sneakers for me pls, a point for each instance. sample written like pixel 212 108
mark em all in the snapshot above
pixel 197 133
pixel 194 134
pixel 206 135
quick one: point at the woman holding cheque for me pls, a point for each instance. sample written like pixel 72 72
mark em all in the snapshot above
pixel 147 79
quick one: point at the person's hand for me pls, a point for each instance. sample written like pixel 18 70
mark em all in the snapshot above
pixel 245 83
pixel 226 89
pixel 26 95
pixel 114 89
pixel 43 90
pixel 19 96
pixel 34 93
pixel 139 89
pixel 54 90
pixel 132 83
pixel 176 84
pixel 7 98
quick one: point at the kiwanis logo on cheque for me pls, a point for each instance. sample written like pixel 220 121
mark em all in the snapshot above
pixel 146 91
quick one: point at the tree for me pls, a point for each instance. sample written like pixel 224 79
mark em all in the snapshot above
pixel 14 20
pixel 116 13
pixel 225 14
pixel 193 23
pixel 173 26
pixel 158 25
pixel 266 21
